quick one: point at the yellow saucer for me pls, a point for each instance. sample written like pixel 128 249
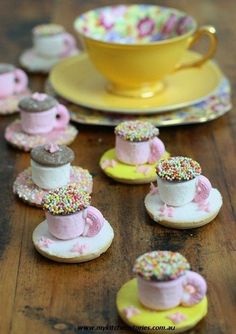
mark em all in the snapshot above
pixel 128 174
pixel 76 80
pixel 155 321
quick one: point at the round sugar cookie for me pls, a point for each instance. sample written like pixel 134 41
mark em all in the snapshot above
pixel 9 105
pixel 176 320
pixel 80 249
pixel 190 215
pixel 15 136
pixel 30 193
pixel 35 63
pixel 124 173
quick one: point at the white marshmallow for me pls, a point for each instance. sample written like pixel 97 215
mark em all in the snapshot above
pixel 49 46
pixel 50 177
pixel 176 193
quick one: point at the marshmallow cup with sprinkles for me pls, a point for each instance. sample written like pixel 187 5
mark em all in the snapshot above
pixel 180 181
pixel 71 226
pixel 137 143
pixel 51 40
pixel 165 292
pixel 183 198
pixel 137 150
pixel 165 281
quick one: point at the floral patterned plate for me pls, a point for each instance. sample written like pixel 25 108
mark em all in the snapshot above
pixel 214 106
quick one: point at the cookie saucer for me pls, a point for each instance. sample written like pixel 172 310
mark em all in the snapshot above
pixel 176 320
pixel 76 250
pixel 30 193
pixel 23 141
pixel 123 173
pixel 35 63
pixel 9 105
pixel 190 215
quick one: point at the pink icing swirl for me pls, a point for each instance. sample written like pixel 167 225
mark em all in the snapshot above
pixel 157 149
pixel 195 289
pixel 203 189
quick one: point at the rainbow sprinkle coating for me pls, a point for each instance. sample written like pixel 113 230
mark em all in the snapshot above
pixel 178 169
pixel 136 131
pixel 66 200
pixel 161 266
pixel 48 29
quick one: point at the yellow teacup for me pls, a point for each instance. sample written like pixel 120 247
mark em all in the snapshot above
pixel 135 46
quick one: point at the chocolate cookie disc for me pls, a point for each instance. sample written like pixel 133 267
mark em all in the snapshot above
pixel 52 155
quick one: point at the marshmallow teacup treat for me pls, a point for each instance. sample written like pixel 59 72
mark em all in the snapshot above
pixel 51 43
pixel 74 231
pixel 164 293
pixel 42 120
pixel 13 87
pixel 137 150
pixel 183 198
pixel 50 169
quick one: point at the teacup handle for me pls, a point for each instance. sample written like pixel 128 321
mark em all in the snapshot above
pixel 157 149
pixel 94 221
pixel 63 117
pixel 21 81
pixel 210 32
pixel 203 189
pixel 195 289
pixel 69 42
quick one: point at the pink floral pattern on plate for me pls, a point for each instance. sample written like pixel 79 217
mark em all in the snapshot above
pixel 134 23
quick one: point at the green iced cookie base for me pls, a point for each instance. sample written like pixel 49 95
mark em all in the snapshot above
pixel 128 173
pixel 128 297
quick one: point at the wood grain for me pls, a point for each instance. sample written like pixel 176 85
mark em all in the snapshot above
pixel 39 296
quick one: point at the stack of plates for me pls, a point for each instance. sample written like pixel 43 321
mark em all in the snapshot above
pixel 190 96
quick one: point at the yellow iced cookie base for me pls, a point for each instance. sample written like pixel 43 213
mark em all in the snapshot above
pixel 128 173
pixel 128 296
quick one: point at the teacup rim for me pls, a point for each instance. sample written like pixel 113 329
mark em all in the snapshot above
pixel 147 44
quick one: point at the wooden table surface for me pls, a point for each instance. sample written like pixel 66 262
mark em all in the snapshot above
pixel 40 296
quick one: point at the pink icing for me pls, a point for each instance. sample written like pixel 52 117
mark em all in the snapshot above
pixel 203 189
pixel 52 148
pixel 143 169
pixel 39 96
pixel 44 242
pixel 108 163
pixel 45 121
pixel 153 189
pixel 157 149
pixel 87 222
pixel 138 153
pixel 177 317
pixel 93 222
pixel 195 289
pixel 130 311
pixel 186 290
pixel 166 211
pixel 79 248
pixel 70 44
pixel 13 83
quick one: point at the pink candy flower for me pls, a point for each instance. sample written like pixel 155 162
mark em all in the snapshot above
pixel 130 311
pixel 166 211
pixel 153 189
pixel 52 148
pixel 108 163
pixel 44 242
pixel 204 206
pixel 79 248
pixel 143 169
pixel 177 317
pixel 145 27
pixel 39 96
